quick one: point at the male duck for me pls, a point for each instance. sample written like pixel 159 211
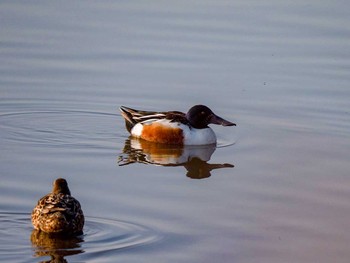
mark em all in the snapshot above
pixel 58 212
pixel 174 127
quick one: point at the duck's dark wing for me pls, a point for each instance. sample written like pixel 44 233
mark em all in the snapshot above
pixel 176 116
pixel 136 116
pixel 132 116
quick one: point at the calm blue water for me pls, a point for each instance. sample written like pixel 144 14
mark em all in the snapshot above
pixel 276 188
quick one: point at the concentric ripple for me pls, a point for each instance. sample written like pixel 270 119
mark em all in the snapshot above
pixel 101 236
pixel 59 128
pixel 112 235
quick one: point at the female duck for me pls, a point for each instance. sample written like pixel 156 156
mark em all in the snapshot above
pixel 58 212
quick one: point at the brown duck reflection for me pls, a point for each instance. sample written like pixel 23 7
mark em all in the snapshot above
pixel 193 158
pixel 55 246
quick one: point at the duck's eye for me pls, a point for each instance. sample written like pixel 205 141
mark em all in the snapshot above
pixel 203 113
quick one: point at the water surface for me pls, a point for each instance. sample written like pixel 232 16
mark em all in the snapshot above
pixel 276 187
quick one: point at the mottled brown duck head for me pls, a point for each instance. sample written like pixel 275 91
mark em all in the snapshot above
pixel 60 185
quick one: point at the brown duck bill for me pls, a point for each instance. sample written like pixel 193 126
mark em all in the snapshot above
pixel 214 119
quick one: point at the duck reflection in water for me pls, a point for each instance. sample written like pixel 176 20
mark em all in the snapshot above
pixel 193 158
pixel 55 246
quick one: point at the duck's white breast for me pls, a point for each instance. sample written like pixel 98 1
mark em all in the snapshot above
pixel 194 136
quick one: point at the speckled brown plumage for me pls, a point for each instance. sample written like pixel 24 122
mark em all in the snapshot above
pixel 58 212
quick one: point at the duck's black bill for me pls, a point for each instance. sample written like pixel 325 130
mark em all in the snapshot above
pixel 214 119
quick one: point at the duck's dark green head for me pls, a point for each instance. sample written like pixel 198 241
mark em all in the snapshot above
pixel 199 116
pixel 60 185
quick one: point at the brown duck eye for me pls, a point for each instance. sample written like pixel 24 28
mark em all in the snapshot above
pixel 203 112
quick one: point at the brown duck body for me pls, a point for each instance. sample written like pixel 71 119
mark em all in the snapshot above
pixel 58 212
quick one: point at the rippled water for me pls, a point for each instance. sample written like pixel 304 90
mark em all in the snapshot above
pixel 276 187
pixel 101 236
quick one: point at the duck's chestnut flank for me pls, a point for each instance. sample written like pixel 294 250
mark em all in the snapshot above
pixel 156 132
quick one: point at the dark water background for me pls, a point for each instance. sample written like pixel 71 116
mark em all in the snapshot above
pixel 279 69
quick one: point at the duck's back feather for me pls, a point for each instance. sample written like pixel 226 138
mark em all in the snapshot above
pixel 58 213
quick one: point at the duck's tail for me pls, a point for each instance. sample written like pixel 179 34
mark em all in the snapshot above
pixel 128 114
